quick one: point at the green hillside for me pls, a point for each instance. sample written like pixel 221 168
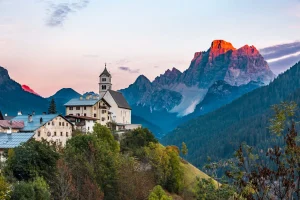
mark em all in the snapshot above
pixel 219 133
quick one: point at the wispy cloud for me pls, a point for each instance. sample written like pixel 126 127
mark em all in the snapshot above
pixel 122 61
pixel 281 50
pixel 58 12
pixel 127 69
pixel 281 57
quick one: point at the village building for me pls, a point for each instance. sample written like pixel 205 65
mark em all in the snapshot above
pixel 53 128
pixel 89 106
pixel 108 107
pixel 82 123
pixel 11 126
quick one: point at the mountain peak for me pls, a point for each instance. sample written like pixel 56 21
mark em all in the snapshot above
pixel 221 46
pixel 141 79
pixel 249 50
pixel 26 88
pixel 4 76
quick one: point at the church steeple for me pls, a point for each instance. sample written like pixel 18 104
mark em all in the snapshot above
pixel 105 81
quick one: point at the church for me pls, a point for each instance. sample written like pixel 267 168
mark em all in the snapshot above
pixel 107 107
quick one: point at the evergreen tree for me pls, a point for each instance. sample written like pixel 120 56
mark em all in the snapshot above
pixel 184 149
pixel 52 107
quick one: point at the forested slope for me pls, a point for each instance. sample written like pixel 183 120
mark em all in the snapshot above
pixel 219 133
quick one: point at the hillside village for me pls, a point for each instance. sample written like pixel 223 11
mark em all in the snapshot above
pixel 108 108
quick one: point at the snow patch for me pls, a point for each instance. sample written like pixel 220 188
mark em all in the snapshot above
pixel 191 97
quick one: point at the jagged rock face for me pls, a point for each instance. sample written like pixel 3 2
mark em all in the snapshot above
pixel 6 84
pixel 223 62
pixel 180 93
pixel 26 88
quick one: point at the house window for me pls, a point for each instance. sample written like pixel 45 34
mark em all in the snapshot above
pixel 77 107
pixel 84 114
pixel 54 133
pixel 59 123
pixel 48 123
pixel 95 115
pixel 39 133
pixel 49 133
pixel 70 108
pixel 108 117
pixel 84 107
pixel 103 111
pixel 88 128
pixel 78 114
pixel 103 79
pixel 67 134
pixel 94 107
pixel 103 87
pixel 103 119
pixel 67 124
pixel 63 124
pixel 61 133
pixel 52 123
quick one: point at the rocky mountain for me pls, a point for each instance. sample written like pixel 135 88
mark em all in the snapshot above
pixel 28 89
pixel 179 94
pixel 63 96
pixel 218 134
pixel 13 98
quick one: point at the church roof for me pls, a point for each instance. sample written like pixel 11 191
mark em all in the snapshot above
pixel 105 72
pixel 119 99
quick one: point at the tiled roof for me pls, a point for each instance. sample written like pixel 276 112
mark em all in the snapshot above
pixel 14 139
pixel 80 117
pixel 81 102
pixel 35 124
pixel 119 99
pixel 11 124
pixel 105 72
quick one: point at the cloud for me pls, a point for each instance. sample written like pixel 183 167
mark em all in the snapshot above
pixel 127 69
pixel 58 12
pixel 281 50
pixel 282 57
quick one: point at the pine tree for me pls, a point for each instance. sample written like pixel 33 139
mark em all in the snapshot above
pixel 184 149
pixel 52 107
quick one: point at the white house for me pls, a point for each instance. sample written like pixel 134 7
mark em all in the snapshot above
pixel 53 128
pixel 82 123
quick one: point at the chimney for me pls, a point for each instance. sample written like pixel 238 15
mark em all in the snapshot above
pixel 9 131
pixel 29 118
pixel 10 122
pixel 41 120
pixel 19 113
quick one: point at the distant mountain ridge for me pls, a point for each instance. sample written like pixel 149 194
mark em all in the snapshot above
pixel 28 89
pixel 180 93
pixel 15 97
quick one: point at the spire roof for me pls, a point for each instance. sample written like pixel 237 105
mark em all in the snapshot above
pixel 105 72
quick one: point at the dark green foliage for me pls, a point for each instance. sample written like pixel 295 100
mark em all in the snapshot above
pixel 137 139
pixel 31 160
pixel 36 190
pixel 219 134
pixel 52 107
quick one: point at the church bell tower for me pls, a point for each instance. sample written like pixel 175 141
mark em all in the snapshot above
pixel 105 82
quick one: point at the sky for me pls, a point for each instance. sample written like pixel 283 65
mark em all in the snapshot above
pixel 54 44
